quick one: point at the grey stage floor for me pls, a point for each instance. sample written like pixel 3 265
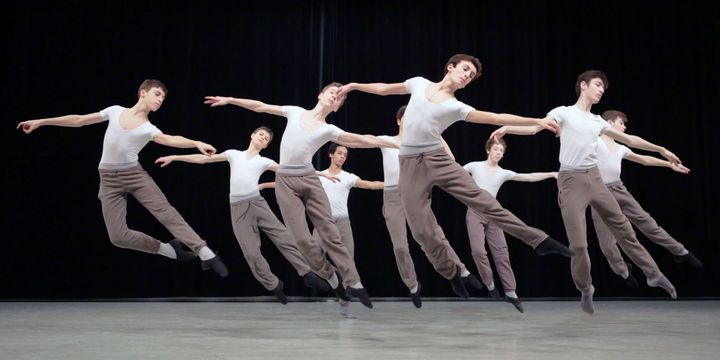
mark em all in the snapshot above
pixel 393 330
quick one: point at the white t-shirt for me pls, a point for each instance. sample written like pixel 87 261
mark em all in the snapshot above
pixel 610 163
pixel 391 163
pixel 490 183
pixel 297 146
pixel 580 132
pixel 245 173
pixel 120 146
pixel 425 121
pixel 338 192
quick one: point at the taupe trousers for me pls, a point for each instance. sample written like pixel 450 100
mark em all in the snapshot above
pixel 481 231
pixel 578 189
pixel 419 173
pixel 638 217
pixel 251 215
pixel 115 185
pixel 301 192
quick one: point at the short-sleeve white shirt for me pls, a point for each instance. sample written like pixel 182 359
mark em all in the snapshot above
pixel 579 135
pixel 120 146
pixel 486 181
pixel 245 173
pixel 297 146
pixel 610 163
pixel 338 192
pixel 391 163
pixel 424 121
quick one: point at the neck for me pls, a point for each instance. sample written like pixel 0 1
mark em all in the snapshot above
pixel 607 139
pixel 334 169
pixel 320 112
pixel 252 149
pixel 447 86
pixel 491 162
pixel 584 104
pixel 140 109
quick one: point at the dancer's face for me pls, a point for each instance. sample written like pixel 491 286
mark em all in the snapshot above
pixel 329 99
pixel 462 73
pixel 594 90
pixel 261 139
pixel 496 153
pixel 153 98
pixel 339 156
pixel 618 124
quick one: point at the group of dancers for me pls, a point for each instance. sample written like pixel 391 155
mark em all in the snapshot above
pixel 415 160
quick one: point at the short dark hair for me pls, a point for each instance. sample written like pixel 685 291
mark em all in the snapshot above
pixel 151 83
pixel 401 112
pixel 492 141
pixel 611 115
pixel 589 75
pixel 457 58
pixel 333 147
pixel 266 129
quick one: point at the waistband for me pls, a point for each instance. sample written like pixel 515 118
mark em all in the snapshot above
pixel 417 149
pixel 296 170
pixel 118 166
pixel 391 188
pixel 235 198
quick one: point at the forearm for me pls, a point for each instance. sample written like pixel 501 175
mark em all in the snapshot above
pixel 178 141
pixel 380 88
pixel 652 161
pixel 190 158
pixel 522 130
pixel 640 143
pixel 485 117
pixel 249 104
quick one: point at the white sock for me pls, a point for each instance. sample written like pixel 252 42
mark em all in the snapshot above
pixel 357 285
pixel 414 289
pixel 465 273
pixel 206 254
pixel 491 287
pixel 511 294
pixel 625 274
pixel 683 252
pixel 167 250
pixel 333 280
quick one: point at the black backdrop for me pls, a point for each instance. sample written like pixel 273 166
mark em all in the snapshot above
pixel 78 58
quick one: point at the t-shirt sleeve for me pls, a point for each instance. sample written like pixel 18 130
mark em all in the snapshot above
pixel 557 114
pixel 334 132
pixel 468 167
pixel 415 83
pixel 105 113
pixel 267 163
pixel 508 175
pixel 353 180
pixel 604 126
pixel 152 131
pixel 231 153
pixel 289 111
pixel 625 151
pixel 464 110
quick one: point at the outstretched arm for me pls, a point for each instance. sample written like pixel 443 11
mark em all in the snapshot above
pixel 191 158
pixel 373 88
pixel 640 143
pixel 183 143
pixel 254 105
pixel 369 185
pixel 653 161
pixel 533 177
pixel 353 140
pixel 516 130
pixel 68 121
pixel 266 185
pixel 485 117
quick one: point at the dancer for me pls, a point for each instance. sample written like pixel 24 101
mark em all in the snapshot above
pixel 424 163
pixel 610 157
pixel 337 194
pixel 298 190
pixel 580 184
pixel 395 220
pixel 488 175
pixel 128 131
pixel 250 212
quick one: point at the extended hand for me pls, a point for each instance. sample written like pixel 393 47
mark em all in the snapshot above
pixel 28 126
pixel 206 149
pixel 216 100
pixel 163 161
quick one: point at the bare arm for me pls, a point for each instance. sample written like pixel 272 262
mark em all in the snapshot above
pixel 67 121
pixel 369 185
pixel 447 148
pixel 534 177
pixel 183 143
pixel 485 117
pixel 374 88
pixel 640 143
pixel 266 185
pixel 191 158
pixel 653 161
pixel 254 105
pixel 353 140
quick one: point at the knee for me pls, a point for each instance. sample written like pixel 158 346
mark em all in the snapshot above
pixel 479 253
pixel 401 251
pixel 119 239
